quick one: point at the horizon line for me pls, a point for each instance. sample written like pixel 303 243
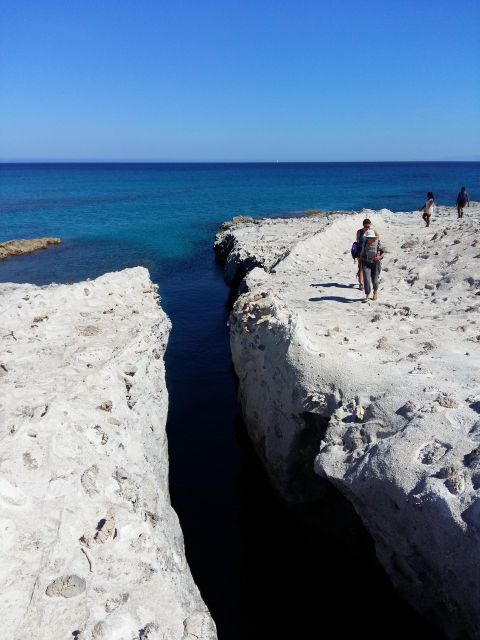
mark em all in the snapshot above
pixel 228 161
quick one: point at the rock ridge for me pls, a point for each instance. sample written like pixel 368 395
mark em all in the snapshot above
pixel 245 243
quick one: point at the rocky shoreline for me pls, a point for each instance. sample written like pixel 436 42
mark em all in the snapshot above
pixel 91 545
pixel 382 400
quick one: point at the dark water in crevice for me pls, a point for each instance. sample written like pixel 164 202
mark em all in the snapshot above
pixel 265 571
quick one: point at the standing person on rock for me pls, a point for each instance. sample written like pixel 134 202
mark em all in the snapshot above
pixel 462 201
pixel 371 258
pixel 428 208
pixel 360 240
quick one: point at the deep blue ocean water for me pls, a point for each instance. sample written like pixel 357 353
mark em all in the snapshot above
pixel 264 572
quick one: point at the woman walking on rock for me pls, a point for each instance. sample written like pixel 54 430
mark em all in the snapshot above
pixel 428 208
pixel 360 240
pixel 371 258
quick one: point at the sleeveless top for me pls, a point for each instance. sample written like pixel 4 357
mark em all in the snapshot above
pixel 361 238
pixel 428 208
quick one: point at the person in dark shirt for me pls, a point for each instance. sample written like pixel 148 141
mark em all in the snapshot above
pixel 462 200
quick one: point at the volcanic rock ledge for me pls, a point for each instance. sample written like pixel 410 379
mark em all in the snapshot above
pixel 91 547
pixel 381 399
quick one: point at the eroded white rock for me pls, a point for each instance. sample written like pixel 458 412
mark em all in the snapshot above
pixel 91 547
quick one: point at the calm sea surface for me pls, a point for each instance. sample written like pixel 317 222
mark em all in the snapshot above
pixel 264 572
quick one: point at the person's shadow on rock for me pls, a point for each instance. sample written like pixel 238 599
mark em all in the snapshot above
pixel 335 299
pixel 334 284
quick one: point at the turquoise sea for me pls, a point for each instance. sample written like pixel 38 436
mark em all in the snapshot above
pixel 264 572
pixel 168 212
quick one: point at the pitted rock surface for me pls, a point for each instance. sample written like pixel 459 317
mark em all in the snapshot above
pixel 379 398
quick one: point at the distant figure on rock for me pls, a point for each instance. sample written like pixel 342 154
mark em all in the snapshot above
pixel 462 200
pixel 360 241
pixel 428 208
pixel 371 258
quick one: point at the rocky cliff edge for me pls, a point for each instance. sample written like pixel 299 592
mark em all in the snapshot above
pixel 381 399
pixel 91 547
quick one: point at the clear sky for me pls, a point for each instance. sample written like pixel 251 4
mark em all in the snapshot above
pixel 240 80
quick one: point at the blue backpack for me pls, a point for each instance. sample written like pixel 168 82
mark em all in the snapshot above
pixel 356 250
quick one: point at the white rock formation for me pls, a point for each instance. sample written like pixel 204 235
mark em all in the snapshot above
pixel 382 399
pixel 91 547
pixel 245 243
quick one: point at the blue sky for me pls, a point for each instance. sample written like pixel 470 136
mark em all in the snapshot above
pixel 246 80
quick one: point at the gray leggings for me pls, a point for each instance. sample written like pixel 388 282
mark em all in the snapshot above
pixel 371 272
